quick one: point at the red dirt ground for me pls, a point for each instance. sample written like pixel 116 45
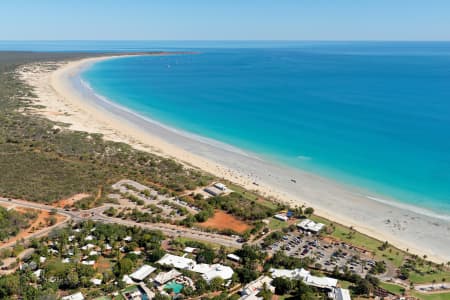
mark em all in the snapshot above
pixel 70 201
pixel 39 223
pixel 222 220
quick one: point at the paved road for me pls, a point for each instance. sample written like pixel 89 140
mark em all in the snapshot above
pixel 96 214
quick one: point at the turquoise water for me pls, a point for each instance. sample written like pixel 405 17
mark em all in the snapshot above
pixel 176 287
pixel 373 115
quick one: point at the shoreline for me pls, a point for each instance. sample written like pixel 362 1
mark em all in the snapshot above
pixel 66 100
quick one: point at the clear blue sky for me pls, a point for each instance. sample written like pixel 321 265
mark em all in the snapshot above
pixel 225 19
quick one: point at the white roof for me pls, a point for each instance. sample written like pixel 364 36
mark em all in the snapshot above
pixel 177 261
pixel 189 249
pixel 233 257
pixel 291 274
pixel 163 277
pixel 76 296
pixel 341 294
pixel 309 225
pixel 37 273
pixel 108 247
pixel 128 239
pixel 88 246
pixel 220 185
pixel 42 259
pixel 209 271
pixel 201 268
pixel 254 287
pixel 320 282
pixel 251 297
pixel 127 279
pixel 281 217
pixel 93 252
pixel 89 238
pixel 96 281
pixel 88 262
pixel 65 260
pixel 142 272
pixel 218 270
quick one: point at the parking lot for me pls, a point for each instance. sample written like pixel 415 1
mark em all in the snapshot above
pixel 327 253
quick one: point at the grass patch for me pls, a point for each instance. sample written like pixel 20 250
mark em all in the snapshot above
pixel 437 296
pixel 426 277
pixel 393 288
pixel 275 224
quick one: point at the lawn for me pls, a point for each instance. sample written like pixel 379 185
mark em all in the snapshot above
pixel 275 224
pixel 393 288
pixel 440 296
pixel 428 278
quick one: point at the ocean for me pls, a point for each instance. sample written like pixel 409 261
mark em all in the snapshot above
pixel 374 115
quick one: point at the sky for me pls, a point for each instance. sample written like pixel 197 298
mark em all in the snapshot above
pixel 225 20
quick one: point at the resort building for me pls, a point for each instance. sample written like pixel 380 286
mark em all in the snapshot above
pixel 208 271
pixel 178 262
pixel 213 191
pixel 217 270
pixel 164 277
pixel 96 281
pixel 220 186
pixel 142 273
pixel 326 283
pixel 311 226
pixel 340 294
pixel 281 217
pixel 290 274
pixel 252 289
pixel 76 296
pixel 234 257
pixel 189 250
pixel 321 282
pixel 127 279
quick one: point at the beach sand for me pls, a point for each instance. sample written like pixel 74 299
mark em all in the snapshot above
pixel 66 99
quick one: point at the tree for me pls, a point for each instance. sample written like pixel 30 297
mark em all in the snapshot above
pixel 161 297
pixel 206 255
pixel 309 211
pixel 123 266
pixel 282 285
pixel 72 281
pixel 201 286
pixel 246 275
pixel 216 283
pixel 363 287
pixel 265 293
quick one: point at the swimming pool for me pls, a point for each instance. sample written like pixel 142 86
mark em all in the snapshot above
pixel 175 287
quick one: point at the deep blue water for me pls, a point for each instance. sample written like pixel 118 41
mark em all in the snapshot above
pixel 373 115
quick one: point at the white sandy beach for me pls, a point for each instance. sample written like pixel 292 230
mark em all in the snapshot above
pixel 67 100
